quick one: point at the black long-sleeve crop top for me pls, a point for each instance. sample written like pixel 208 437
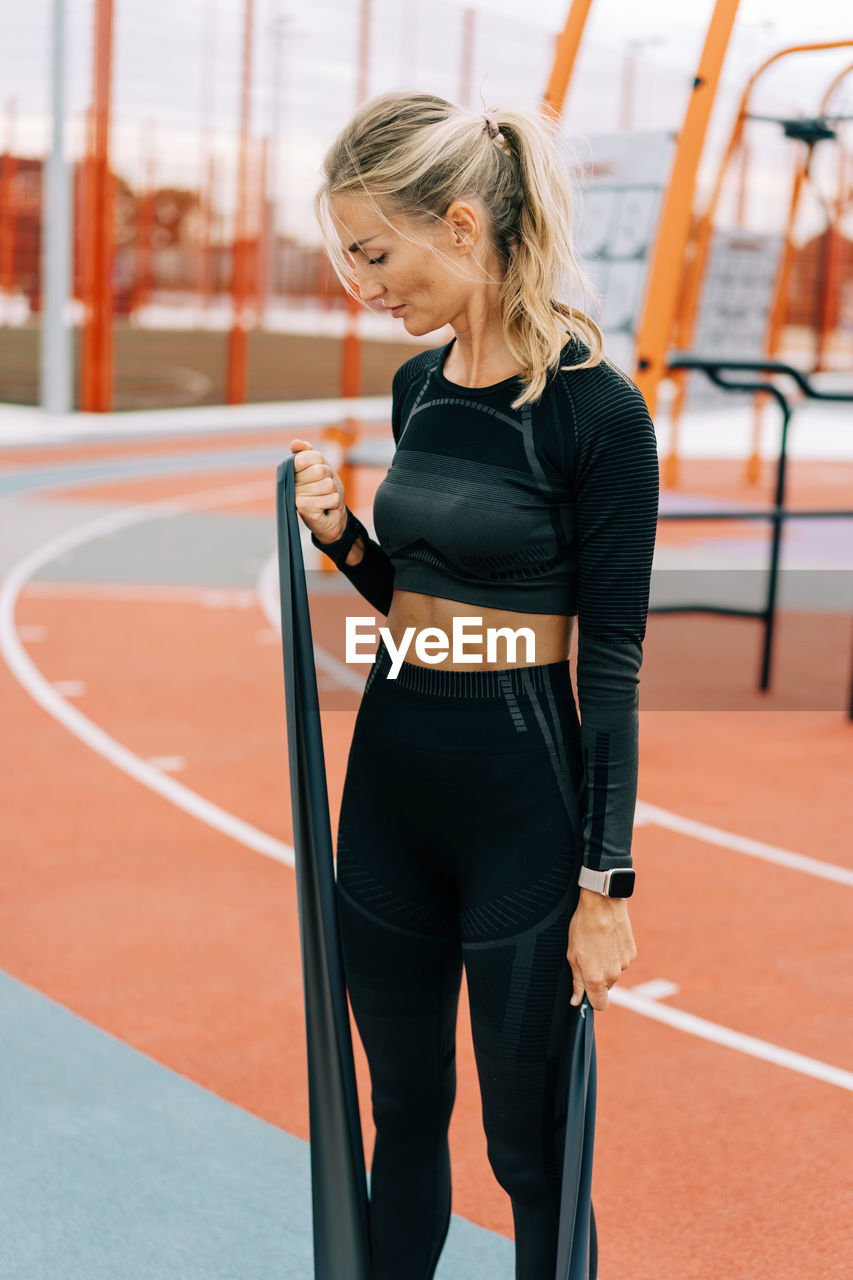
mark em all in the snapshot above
pixel 550 508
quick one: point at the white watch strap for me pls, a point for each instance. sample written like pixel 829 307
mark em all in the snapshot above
pixel 596 880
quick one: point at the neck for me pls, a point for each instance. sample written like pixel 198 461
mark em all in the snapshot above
pixel 479 356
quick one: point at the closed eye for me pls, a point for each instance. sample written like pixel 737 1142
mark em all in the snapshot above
pixel 375 262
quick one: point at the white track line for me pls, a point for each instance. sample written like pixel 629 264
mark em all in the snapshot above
pixel 143 593
pixel 220 820
pixel 750 1045
pixel 40 689
pixel 267 588
pixel 650 813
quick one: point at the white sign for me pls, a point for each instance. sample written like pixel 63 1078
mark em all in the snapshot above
pixel 734 306
pixel 621 179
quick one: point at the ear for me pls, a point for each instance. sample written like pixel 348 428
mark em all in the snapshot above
pixel 465 223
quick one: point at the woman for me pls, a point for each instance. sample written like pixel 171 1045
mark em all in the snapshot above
pixel 480 820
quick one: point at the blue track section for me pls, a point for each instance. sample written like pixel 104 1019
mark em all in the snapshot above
pixel 195 463
pixel 114 1167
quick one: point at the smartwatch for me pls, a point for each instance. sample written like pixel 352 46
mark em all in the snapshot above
pixel 618 882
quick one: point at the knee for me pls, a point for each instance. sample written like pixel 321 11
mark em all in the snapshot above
pixel 410 1109
pixel 524 1163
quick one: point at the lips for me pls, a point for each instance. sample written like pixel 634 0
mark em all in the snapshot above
pixel 395 311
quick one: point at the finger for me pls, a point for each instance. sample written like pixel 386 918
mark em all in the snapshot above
pixel 596 994
pixel 316 479
pixel 577 991
pixel 305 456
pixel 307 460
pixel 312 467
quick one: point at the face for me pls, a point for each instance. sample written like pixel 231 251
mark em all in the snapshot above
pixel 424 289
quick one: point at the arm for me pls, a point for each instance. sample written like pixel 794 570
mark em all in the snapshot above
pixel 616 482
pixel 363 561
pixel 616 494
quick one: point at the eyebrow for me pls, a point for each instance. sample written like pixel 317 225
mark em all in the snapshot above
pixel 355 247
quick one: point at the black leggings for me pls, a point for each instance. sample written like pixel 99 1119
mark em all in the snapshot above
pixel 458 841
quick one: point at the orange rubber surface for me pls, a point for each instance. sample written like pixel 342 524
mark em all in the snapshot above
pixel 174 937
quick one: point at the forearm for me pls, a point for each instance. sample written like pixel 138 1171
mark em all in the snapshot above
pixel 365 565
pixel 609 709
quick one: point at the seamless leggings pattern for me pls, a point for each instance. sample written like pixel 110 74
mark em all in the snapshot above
pixel 458 843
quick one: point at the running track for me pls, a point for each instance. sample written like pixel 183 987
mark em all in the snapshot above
pixel 147 889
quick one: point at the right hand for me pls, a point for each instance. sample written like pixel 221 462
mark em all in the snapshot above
pixel 601 946
pixel 318 491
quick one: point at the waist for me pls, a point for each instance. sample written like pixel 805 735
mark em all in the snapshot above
pixel 478 683
pixel 440 632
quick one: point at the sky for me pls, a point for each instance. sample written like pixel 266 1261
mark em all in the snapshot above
pixel 177 78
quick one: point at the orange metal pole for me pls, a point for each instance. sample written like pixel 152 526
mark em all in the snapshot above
pixel 264 247
pixel 779 306
pixel 565 53
pixel 97 345
pixel 237 341
pixel 346 432
pixel 828 318
pixel 8 204
pixel 801 175
pixel 351 354
pixel 674 226
pixel 829 311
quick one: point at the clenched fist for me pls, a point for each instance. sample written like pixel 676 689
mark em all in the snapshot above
pixel 319 494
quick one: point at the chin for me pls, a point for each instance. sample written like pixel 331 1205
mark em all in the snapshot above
pixel 418 328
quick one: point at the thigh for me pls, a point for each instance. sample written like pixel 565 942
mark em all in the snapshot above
pixel 386 861
pixel 398 910
pixel 404 992
pixel 514 837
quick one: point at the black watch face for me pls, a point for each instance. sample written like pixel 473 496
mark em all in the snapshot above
pixel 622 884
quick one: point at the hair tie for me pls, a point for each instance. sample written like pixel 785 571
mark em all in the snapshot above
pixel 494 128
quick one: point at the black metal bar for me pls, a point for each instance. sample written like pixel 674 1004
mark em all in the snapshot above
pixel 729 611
pixel 689 360
pixel 713 367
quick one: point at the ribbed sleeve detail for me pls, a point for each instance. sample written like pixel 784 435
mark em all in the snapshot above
pixel 373 576
pixel 615 475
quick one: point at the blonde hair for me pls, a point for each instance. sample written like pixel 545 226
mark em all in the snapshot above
pixel 414 154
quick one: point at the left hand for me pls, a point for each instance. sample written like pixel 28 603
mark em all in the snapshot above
pixel 601 946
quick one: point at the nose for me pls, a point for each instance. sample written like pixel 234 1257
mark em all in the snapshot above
pixel 370 290
pixel 369 286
